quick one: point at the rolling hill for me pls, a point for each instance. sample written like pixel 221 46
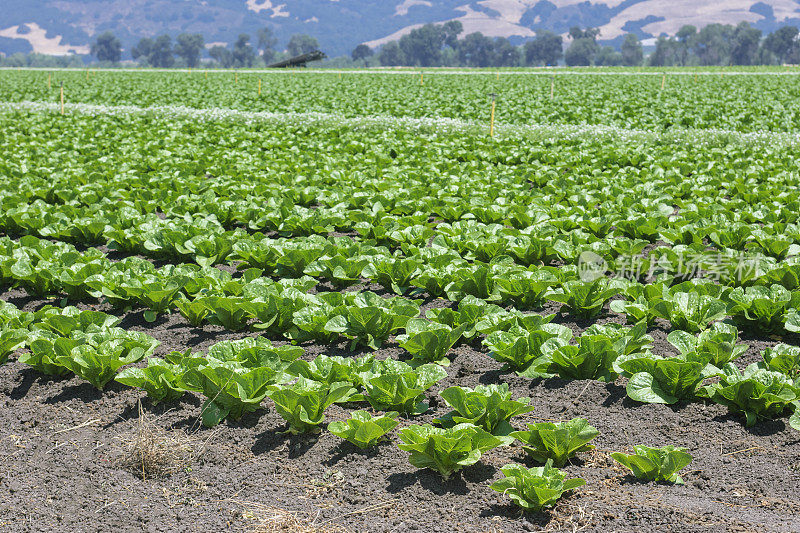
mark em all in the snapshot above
pixel 68 26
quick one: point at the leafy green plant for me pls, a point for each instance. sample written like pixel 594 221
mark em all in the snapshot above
pixel 763 307
pixel 655 464
pixel 535 488
pixel 332 371
pixel 717 342
pixel 44 354
pixel 487 406
pixel 393 272
pixel 756 392
pixel 527 351
pixel 10 341
pixel 370 319
pixel 447 450
pixel 690 311
pixel 396 386
pixel 303 403
pixel 159 379
pixel 653 379
pixel 429 342
pixel 584 299
pixel 783 358
pixel 229 312
pixel 592 358
pixel 231 390
pixel 102 354
pixel 557 442
pixel 363 429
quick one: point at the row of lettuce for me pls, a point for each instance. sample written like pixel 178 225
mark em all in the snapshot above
pixel 285 307
pixel 236 377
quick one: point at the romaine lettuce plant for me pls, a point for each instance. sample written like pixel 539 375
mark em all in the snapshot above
pixel 363 429
pixel 527 352
pixel 653 379
pixel 690 311
pixel 584 299
pixel 784 359
pixel 592 358
pixel 303 403
pixel 159 379
pixel 546 441
pixel 533 489
pixel 10 340
pixel 757 392
pixel 655 464
pixel 487 406
pixel 370 319
pixel 762 307
pixel 447 450
pixel 230 389
pixel 396 386
pixel 429 342
pixel 717 342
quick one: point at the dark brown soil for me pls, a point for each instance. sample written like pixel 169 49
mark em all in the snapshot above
pixel 59 451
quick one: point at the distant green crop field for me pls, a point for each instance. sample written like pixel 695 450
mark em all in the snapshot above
pixel 744 103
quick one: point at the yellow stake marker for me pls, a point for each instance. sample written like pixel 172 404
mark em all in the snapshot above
pixel 491 126
pixel 235 77
pixel 62 97
pixel 552 86
pixel 695 78
pixel 498 76
pixel 663 79
pixel 206 74
pixel 421 79
pixel 259 87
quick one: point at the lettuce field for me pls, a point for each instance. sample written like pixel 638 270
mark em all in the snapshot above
pixel 332 301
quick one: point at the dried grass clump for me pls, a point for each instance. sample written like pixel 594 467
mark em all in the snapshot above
pixel 150 451
pixel 270 519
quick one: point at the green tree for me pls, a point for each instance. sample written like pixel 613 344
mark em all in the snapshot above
pixel 143 49
pixel 713 44
pixel 744 46
pixel 783 44
pixel 423 46
pixel 221 55
pixel 452 29
pixel 476 50
pixel 684 40
pixel 107 48
pixel 156 53
pixel 267 43
pixel 189 46
pixel 362 51
pixel 583 48
pixel 505 53
pixel 546 49
pixel 608 57
pixel 243 54
pixel 580 53
pixel 391 55
pixel 632 54
pixel 300 44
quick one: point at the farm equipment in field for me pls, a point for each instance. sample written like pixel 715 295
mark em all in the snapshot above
pixel 299 61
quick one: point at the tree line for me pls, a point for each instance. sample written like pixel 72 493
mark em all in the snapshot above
pixel 716 44
pixel 434 45
pixel 187 50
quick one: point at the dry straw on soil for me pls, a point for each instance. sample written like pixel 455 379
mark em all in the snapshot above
pixel 150 451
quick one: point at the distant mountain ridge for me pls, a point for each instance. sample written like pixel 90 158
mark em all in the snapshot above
pixel 68 26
